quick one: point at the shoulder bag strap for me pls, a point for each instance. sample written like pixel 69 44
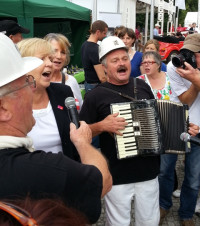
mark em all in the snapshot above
pixel 135 88
pixel 63 78
pixel 121 94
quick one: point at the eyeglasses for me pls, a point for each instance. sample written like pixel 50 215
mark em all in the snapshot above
pixel 30 81
pixel 148 62
pixel 22 216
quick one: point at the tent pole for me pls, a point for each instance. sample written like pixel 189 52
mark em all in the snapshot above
pixel 198 15
pixel 146 23
pixel 94 11
pixel 118 6
pixel 152 19
pixel 177 15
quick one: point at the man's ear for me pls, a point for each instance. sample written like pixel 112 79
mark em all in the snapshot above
pixel 11 37
pixel 5 114
pixel 98 32
pixel 104 68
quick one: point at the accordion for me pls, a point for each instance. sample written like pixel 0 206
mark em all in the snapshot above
pixel 154 128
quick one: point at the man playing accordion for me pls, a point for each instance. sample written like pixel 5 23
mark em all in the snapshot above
pixel 132 177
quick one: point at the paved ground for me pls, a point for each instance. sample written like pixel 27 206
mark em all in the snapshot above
pixel 172 218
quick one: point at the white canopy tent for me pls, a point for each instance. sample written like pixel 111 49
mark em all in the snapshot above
pixel 124 11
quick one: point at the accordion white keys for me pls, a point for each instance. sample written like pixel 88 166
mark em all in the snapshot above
pixel 154 128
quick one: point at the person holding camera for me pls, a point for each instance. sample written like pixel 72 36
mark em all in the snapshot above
pixel 191 74
pixel 184 91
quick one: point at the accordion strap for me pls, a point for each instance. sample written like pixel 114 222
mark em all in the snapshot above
pixel 135 88
pixel 122 94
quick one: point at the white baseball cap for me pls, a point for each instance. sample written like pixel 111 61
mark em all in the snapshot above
pixel 109 44
pixel 13 66
pixel 157 25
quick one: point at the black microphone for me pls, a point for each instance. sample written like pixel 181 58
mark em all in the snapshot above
pixel 187 138
pixel 72 110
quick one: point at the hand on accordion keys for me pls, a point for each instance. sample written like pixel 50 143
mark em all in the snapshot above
pixel 112 123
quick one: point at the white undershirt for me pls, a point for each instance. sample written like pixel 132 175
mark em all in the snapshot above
pixel 45 133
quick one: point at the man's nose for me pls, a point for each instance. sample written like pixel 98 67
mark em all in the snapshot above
pixel 121 62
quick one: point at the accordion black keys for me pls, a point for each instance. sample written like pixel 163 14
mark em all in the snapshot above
pixel 154 127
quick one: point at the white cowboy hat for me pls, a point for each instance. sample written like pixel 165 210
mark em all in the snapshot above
pixel 109 44
pixel 13 66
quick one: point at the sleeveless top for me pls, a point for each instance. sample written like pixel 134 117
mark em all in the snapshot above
pixel 160 94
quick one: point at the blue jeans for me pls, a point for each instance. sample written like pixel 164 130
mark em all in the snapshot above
pixel 190 186
pixel 89 86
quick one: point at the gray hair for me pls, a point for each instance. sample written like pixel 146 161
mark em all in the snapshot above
pixel 104 61
pixel 156 56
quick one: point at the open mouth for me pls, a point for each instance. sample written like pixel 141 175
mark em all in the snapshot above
pixel 46 74
pixel 122 70
pixel 57 62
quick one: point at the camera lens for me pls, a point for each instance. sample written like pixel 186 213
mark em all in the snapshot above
pixel 178 61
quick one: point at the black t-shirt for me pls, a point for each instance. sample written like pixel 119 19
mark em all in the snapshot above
pixel 90 57
pixel 46 175
pixel 95 108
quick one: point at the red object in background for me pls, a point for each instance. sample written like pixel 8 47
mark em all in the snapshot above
pixel 180 29
pixel 137 33
pixel 168 50
pixel 172 29
pixel 160 31
pixel 183 30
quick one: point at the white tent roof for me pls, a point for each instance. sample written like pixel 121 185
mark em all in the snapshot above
pixel 191 17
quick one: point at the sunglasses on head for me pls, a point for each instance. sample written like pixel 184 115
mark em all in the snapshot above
pixel 22 216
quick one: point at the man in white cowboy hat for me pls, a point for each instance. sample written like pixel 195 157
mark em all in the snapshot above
pixel 136 176
pixel 187 92
pixel 37 174
pixel 156 29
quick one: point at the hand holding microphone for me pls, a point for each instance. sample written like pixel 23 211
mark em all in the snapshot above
pixel 187 138
pixel 80 136
pixel 72 110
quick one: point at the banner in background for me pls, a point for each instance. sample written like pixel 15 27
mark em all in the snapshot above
pixel 180 4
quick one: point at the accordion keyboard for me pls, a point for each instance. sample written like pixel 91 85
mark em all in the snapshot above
pixel 126 143
pixel 142 135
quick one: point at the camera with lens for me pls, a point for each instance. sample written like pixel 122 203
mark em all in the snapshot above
pixel 184 56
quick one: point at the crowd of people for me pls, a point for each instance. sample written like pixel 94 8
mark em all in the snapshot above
pixel 50 166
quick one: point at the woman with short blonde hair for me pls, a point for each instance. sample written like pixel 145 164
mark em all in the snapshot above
pixel 51 131
pixel 61 58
